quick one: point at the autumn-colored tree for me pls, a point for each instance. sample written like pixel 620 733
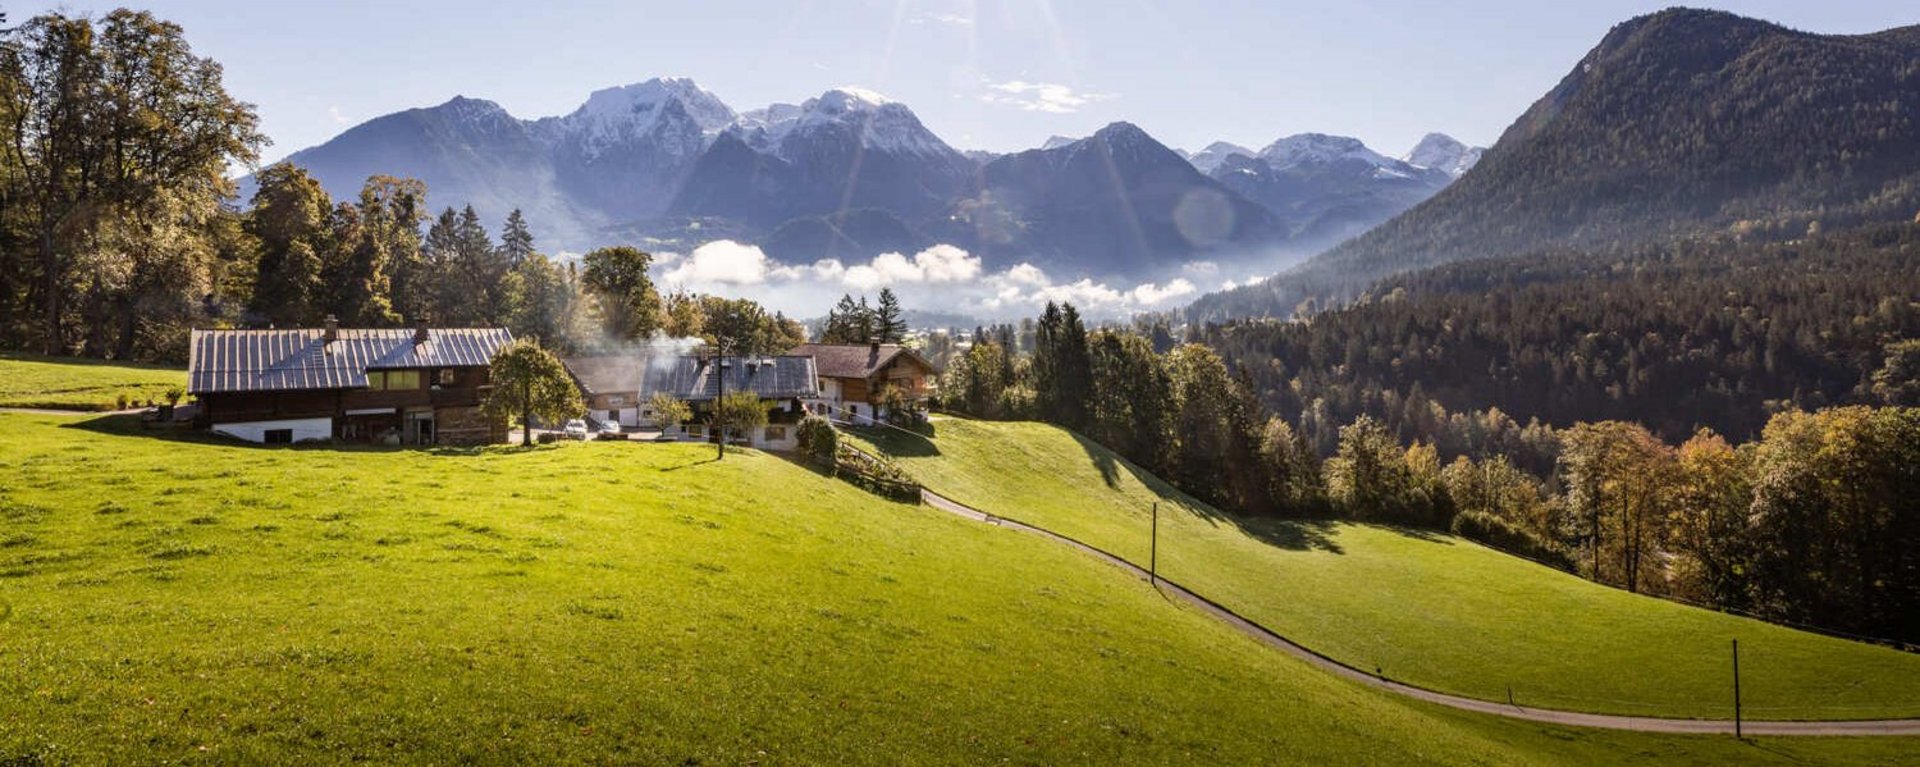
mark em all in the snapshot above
pixel 530 383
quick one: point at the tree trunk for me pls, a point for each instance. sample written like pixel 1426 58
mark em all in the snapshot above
pixel 50 269
pixel 526 413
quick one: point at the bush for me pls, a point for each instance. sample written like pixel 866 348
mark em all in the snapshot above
pixel 819 441
pixel 1503 535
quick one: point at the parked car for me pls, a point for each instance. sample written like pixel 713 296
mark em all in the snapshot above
pixel 575 429
pixel 610 430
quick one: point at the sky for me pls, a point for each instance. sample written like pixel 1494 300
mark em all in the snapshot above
pixel 1001 75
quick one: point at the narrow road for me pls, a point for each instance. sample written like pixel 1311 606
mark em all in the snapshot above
pixel 1262 634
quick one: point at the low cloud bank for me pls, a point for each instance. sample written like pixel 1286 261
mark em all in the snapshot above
pixel 941 278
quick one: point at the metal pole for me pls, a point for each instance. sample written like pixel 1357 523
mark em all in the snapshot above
pixel 719 403
pixel 1153 550
pixel 1736 689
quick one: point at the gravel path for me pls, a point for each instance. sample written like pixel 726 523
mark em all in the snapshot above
pixel 1909 727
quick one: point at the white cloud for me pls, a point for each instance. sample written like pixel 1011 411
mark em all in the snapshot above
pixel 1027 274
pixel 1039 97
pixel 722 262
pixel 942 278
pixel 940 264
pixel 333 112
pixel 1149 294
pixel 949 19
pixel 1200 267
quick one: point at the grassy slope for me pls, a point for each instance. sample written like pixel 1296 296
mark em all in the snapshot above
pixel 1433 610
pixel 63 383
pixel 184 600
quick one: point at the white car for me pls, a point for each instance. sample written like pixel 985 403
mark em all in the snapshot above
pixel 609 428
pixel 575 429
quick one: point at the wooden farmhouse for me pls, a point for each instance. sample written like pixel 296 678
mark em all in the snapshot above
pixel 854 378
pixel 618 389
pixel 391 386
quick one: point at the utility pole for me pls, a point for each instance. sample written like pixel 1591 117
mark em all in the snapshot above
pixel 1153 548
pixel 720 402
pixel 1736 689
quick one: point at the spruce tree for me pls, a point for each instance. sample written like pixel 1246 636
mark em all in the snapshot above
pixel 888 323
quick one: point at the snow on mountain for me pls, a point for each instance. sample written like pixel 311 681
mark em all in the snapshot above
pixel 1442 152
pixel 1057 141
pixel 673 117
pixel 881 123
pixel 1206 160
pixel 1304 148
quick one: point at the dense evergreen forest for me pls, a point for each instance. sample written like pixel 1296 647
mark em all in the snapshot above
pixel 1677 337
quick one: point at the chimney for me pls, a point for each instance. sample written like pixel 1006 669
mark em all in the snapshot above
pixel 332 332
pixel 420 332
pixel 873 344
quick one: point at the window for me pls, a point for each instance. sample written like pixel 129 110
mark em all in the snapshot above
pixel 393 380
pixel 446 376
pixel 776 433
pixel 278 437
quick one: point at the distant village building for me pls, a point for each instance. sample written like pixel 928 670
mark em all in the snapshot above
pixel 854 378
pixel 390 386
pixel 619 389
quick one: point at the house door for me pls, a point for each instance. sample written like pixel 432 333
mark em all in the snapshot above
pixel 419 429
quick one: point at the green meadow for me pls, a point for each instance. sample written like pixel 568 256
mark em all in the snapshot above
pixel 66 383
pixel 1429 609
pixel 178 599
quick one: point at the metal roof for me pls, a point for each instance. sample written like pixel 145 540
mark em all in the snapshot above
pixel 857 360
pixel 693 379
pixel 289 360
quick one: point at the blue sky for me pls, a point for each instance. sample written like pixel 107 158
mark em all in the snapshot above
pixel 984 74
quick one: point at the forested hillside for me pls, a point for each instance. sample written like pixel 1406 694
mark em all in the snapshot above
pixel 1679 123
pixel 1677 337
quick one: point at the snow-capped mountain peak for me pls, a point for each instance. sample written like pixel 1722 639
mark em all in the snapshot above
pixel 881 123
pixel 1306 148
pixel 1057 141
pixel 640 104
pixel 1210 158
pixel 1440 151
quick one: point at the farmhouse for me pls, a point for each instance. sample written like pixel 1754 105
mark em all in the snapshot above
pixel 391 386
pixel 619 388
pixel 854 378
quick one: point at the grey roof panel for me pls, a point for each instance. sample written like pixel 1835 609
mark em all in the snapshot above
pixel 693 379
pixel 288 360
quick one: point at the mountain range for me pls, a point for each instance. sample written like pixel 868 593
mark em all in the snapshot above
pixel 1683 123
pixel 850 174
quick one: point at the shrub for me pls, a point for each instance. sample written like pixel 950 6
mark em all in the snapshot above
pixel 1501 534
pixel 174 393
pixel 819 441
pixel 901 410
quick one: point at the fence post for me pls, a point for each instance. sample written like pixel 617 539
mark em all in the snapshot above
pixel 1153 550
pixel 1736 689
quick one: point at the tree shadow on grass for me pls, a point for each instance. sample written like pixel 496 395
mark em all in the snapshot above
pixel 1289 534
pixel 1419 534
pixel 131 425
pixel 1293 534
pixel 899 442
pixel 691 464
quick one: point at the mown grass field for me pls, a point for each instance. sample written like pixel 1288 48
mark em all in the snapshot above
pixel 187 600
pixel 65 383
pixel 1433 610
